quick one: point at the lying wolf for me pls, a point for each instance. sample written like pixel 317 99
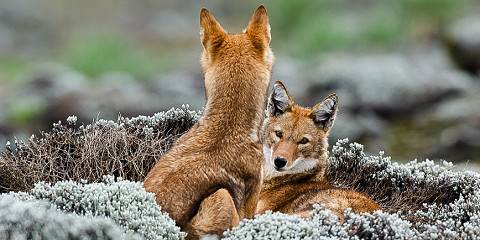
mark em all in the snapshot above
pixel 295 145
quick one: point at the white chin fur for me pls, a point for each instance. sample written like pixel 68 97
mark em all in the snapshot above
pixel 300 165
pixel 268 169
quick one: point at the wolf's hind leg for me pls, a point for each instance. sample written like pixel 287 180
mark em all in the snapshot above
pixel 216 214
pixel 251 202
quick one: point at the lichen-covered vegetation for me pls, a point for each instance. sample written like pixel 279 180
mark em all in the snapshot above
pixel 40 220
pixel 124 203
pixel 420 199
pixel 125 148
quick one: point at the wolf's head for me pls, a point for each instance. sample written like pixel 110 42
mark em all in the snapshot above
pixel 294 138
pixel 228 55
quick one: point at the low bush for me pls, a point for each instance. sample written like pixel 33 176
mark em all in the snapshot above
pixel 127 148
pixel 420 200
pixel 39 220
pixel 124 202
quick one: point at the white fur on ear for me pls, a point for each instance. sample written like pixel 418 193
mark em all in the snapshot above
pixel 324 113
pixel 269 34
pixel 279 101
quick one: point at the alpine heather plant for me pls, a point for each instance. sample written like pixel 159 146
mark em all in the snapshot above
pixel 420 199
pixel 39 220
pixel 397 187
pixel 275 225
pixel 436 201
pixel 378 225
pixel 126 148
pixel 125 203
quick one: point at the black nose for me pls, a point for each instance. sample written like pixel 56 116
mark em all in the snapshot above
pixel 280 162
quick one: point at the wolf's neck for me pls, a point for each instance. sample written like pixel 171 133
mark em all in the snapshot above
pixel 235 104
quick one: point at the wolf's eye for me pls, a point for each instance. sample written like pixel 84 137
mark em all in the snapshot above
pixel 279 133
pixel 304 141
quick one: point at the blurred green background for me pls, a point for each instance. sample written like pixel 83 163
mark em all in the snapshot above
pixel 406 71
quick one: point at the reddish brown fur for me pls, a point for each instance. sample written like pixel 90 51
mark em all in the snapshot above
pixel 295 123
pixel 297 196
pixel 216 213
pixel 295 191
pixel 220 154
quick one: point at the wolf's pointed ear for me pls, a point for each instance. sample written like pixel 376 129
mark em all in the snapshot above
pixel 279 100
pixel 324 113
pixel 258 28
pixel 210 30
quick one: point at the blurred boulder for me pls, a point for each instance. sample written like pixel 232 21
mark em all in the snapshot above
pixel 461 138
pixel 411 104
pixel 55 80
pixel 180 87
pixel 180 31
pixel 386 100
pixel 55 92
pixel 294 74
pixel 390 85
pixel 463 42
pixel 117 93
pixel 25 26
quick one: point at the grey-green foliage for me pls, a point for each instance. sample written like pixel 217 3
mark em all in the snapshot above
pixel 39 220
pixel 127 148
pixel 437 201
pixel 126 203
pixel 421 200
pixel 378 225
pixel 323 225
pixel 275 225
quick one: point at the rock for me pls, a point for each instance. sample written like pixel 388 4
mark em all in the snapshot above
pixel 460 139
pixel 180 87
pixel 391 85
pixel 294 74
pixel 463 109
pixel 383 87
pixel 410 104
pixel 57 92
pixel 463 42
pixel 386 100
pixel 52 80
pixel 182 30
pixel 27 25
pixel 119 93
